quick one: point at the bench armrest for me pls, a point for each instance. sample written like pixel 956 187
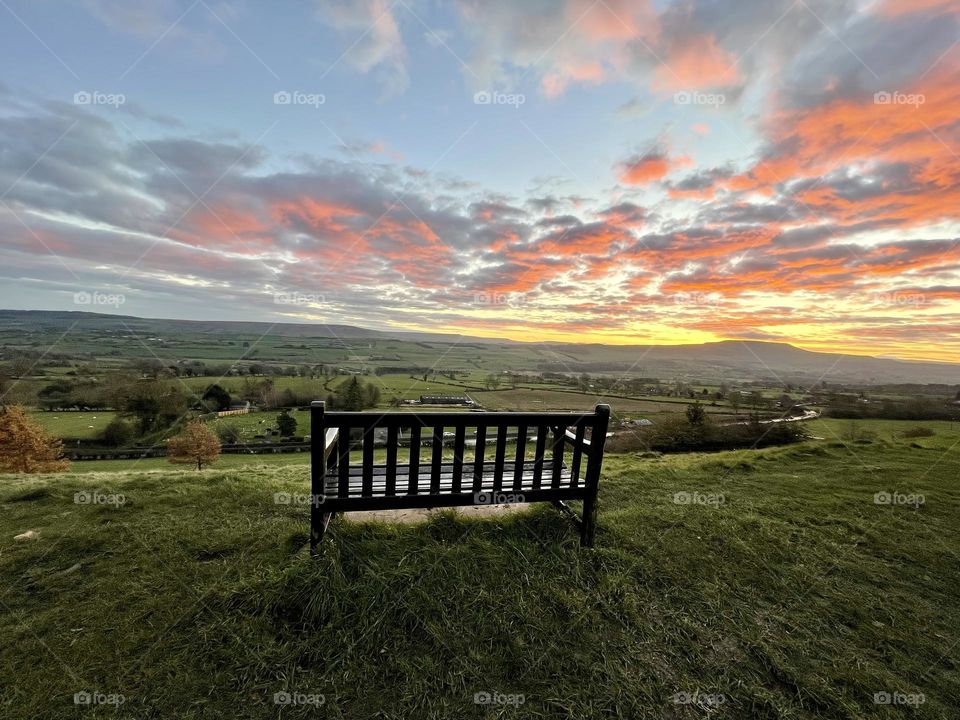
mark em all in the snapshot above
pixel 571 438
pixel 330 442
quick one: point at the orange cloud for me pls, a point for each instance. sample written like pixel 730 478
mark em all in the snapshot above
pixel 915 128
pixel 614 19
pixel 699 63
pixel 644 169
pixel 893 8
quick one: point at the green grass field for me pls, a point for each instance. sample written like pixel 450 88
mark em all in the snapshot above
pixel 255 423
pixel 782 590
pixel 82 425
pixel 225 461
pixel 234 385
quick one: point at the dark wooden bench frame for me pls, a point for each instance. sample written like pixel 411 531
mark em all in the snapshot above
pixel 336 486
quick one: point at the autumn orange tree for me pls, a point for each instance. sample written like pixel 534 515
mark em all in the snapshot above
pixel 25 447
pixel 196 444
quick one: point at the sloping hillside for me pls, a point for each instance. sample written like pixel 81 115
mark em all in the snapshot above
pixel 779 590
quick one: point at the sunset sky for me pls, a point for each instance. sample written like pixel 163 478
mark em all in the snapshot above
pixel 608 171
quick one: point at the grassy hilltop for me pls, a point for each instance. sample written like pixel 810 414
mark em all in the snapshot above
pixel 782 590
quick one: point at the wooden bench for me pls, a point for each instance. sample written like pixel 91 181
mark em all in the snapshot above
pixel 426 479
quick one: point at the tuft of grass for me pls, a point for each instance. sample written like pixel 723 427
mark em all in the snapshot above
pixel 29 495
pixel 918 432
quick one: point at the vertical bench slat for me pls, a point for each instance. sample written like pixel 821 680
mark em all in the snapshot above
pixel 334 462
pixel 343 462
pixel 391 474
pixel 518 463
pixel 542 431
pixel 577 456
pixel 437 459
pixel 368 435
pixel 318 470
pixel 413 482
pixel 478 460
pixel 558 442
pixel 598 437
pixel 458 446
pixel 500 458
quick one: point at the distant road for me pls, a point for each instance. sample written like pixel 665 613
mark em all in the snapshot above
pixel 808 415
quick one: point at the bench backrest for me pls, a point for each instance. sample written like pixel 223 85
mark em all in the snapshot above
pixel 542 444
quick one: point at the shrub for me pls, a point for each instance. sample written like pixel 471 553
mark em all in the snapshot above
pixel 118 433
pixel 227 432
pixel 286 424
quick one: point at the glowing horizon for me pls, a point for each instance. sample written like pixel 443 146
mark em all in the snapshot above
pixel 618 172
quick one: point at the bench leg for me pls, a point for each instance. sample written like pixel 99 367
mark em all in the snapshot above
pixel 589 521
pixel 318 528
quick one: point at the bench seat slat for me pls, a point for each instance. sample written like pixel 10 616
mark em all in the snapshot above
pixel 444 485
pixel 447 468
pixel 424 500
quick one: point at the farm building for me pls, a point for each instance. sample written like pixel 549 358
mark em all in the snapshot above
pixel 236 408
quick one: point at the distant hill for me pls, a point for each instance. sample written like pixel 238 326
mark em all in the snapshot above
pixel 729 358
pixel 102 321
pixel 750 358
